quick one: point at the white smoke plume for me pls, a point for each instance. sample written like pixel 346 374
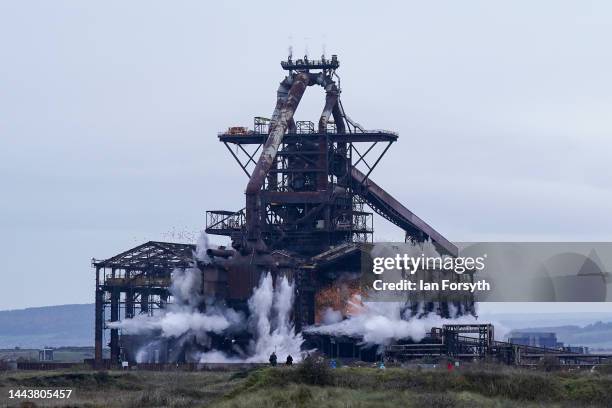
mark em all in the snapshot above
pixel 185 288
pixel 274 329
pixel 382 323
pixel 201 247
pixel 331 316
pixel 177 323
pixel 269 323
pixel 183 316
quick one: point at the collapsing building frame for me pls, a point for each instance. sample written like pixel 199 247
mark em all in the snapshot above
pixel 305 216
pixel 134 282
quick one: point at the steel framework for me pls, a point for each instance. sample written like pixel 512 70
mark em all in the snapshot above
pixel 305 191
pixel 305 216
pixel 135 281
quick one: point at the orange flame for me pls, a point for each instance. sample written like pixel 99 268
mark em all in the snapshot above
pixel 345 297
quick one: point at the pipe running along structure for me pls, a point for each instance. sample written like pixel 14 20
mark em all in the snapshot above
pixel 282 122
pixel 289 94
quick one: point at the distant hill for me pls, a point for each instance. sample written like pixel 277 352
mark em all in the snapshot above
pixel 595 335
pixel 53 326
pixel 73 325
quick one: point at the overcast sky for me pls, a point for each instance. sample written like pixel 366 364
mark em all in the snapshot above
pixel 109 113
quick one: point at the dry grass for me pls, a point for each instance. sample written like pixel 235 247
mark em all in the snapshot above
pixel 119 389
pixel 304 396
pixel 468 387
pixel 315 386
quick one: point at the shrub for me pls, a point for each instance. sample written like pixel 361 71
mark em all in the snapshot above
pixel 314 371
pixel 437 400
pixel 604 369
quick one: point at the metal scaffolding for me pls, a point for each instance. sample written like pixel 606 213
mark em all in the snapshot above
pixel 134 282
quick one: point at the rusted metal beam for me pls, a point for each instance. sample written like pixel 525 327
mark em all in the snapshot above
pixel 338 117
pixel 237 160
pixel 376 162
pixel 114 333
pixel 331 100
pixel 295 197
pixel 220 253
pixel 99 321
pixel 396 212
pixel 278 127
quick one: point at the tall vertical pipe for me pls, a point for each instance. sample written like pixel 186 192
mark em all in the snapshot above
pixel 278 127
pixel 114 333
pixel 338 118
pixel 281 98
pixel 331 99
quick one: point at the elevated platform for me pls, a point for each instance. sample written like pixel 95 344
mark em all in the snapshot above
pixel 221 222
pixel 251 137
pixel 306 64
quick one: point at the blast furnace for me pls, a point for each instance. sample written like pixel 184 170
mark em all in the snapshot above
pixel 308 214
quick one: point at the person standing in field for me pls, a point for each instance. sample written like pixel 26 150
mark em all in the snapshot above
pixel 273 359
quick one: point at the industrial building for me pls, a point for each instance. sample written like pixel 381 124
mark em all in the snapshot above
pixel 536 339
pixel 308 215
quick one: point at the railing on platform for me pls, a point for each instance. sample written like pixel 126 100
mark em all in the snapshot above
pixel 224 220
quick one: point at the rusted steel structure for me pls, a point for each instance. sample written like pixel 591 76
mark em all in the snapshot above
pixel 308 215
pixel 305 193
pixel 310 198
pixel 477 342
pixel 131 283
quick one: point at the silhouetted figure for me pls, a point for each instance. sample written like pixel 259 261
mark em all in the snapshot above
pixel 289 360
pixel 273 359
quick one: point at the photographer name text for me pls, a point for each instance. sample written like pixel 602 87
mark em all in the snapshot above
pixel 424 286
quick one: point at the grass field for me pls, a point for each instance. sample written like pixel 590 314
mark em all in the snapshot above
pixel 316 386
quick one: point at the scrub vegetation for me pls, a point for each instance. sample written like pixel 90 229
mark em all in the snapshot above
pixel 314 384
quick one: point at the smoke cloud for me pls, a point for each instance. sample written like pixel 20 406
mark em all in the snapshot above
pixel 184 315
pixel 331 316
pixel 270 309
pixel 381 323
pixel 269 324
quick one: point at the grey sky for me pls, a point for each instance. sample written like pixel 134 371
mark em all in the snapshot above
pixel 109 113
